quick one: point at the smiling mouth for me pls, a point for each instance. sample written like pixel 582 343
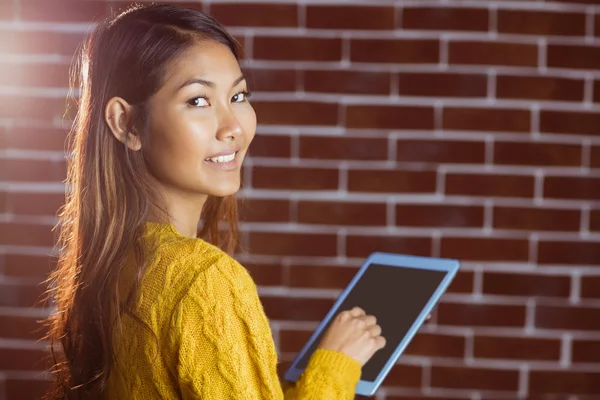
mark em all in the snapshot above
pixel 222 159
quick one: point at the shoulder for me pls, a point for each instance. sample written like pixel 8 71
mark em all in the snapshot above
pixel 184 268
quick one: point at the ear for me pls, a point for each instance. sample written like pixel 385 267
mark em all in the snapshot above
pixel 118 114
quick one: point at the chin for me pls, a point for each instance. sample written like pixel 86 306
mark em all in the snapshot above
pixel 224 190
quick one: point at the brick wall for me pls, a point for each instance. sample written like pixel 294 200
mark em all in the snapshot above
pixel 463 129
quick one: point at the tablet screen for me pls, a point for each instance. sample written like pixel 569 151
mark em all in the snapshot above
pixel 396 296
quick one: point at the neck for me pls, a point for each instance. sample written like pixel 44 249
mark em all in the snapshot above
pixel 182 210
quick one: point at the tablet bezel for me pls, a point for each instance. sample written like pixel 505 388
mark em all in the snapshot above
pixel 450 266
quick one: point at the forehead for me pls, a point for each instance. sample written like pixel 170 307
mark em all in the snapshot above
pixel 208 60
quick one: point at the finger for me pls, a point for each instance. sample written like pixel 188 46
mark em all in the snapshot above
pixel 357 312
pixel 375 330
pixel 368 320
pixel 428 317
pixel 380 342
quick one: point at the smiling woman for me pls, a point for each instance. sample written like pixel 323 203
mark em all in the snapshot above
pixel 147 306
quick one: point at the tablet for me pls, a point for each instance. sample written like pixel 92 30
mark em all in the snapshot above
pixel 400 291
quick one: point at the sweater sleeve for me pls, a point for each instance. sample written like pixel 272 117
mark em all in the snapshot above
pixel 328 375
pixel 224 347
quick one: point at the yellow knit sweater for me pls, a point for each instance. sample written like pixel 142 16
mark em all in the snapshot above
pixel 207 336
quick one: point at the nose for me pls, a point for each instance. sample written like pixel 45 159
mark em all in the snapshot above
pixel 229 127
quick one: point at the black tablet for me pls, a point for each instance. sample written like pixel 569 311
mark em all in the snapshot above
pixel 400 291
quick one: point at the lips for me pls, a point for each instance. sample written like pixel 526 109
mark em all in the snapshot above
pixel 223 158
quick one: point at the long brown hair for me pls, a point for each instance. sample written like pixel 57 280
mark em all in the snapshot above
pixel 108 192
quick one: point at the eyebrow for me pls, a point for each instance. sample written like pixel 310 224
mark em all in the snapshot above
pixel 210 84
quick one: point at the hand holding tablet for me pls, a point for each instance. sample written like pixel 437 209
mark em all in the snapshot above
pixel 390 297
pixel 355 334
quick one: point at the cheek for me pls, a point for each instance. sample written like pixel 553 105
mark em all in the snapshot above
pixel 248 122
pixel 175 145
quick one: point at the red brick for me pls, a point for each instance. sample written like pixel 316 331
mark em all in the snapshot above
pixel 537 153
pixel 521 284
pixel 343 148
pixel 21 327
pixel 485 249
pixel 445 84
pixel 575 252
pixel 296 308
pixel 24 107
pixel 36 139
pixel 474 378
pixel 516 348
pixel 264 210
pixel 294 48
pixel 434 215
pixel 427 397
pixel 594 220
pixel 349 17
pixel 271 80
pixel 490 315
pixel 596 91
pixel 342 213
pixel 585 351
pixel 595 157
pixel 12 233
pixel 567 318
pixel 531 87
pixel 28 266
pixel 463 282
pixel 536 218
pixel 572 187
pixel 296 113
pixel 4 202
pixel 391 181
pixel 32 170
pixel 590 287
pixel 266 274
pixel 347 81
pixel 573 56
pixel 274 146
pixel 569 382
pixel 292 341
pixel 320 276
pixel 26 388
pixel 34 75
pixel 255 14
pixel 440 151
pixel 22 295
pixel 294 178
pixel 26 203
pixel 405 376
pixel 23 359
pixel 490 185
pixel 389 117
pixel 362 246
pixel 293 244
pixel 39 42
pixel 54 10
pixel 569 122
pixel 486 119
pixel 397 51
pixel 436 345
pixel 445 18
pixel 7 11
pixel 492 53
pixel 541 22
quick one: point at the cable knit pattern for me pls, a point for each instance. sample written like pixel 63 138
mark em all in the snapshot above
pixel 207 336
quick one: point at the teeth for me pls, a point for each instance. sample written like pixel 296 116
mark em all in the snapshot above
pixel 221 159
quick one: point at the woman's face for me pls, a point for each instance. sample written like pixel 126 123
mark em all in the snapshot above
pixel 201 123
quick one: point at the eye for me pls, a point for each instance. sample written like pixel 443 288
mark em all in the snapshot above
pixel 241 97
pixel 198 102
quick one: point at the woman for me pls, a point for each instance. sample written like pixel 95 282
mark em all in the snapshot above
pixel 146 308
